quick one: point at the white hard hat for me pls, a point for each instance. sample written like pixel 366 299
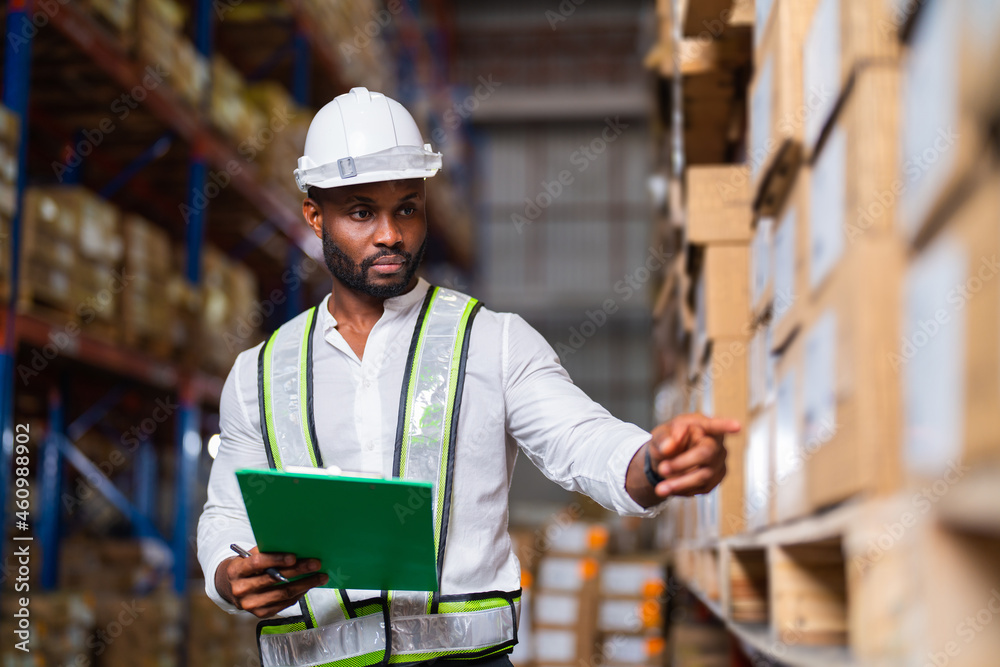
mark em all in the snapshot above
pixel 363 137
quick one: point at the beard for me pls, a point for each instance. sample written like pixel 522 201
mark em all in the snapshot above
pixel 355 276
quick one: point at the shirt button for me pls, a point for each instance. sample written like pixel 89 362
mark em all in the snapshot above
pixel 370 446
pixel 367 384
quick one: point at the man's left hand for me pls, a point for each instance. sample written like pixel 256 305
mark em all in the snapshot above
pixel 690 454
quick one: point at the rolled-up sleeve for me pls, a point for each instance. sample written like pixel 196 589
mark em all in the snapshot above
pixel 224 519
pixel 573 440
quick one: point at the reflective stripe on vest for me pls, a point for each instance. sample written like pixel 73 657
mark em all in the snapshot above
pixel 333 630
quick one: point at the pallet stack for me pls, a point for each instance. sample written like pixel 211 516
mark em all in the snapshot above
pixel 60 625
pixel 718 233
pixel 160 42
pixel 357 29
pixel 229 109
pixel 117 15
pixel 630 611
pixel 866 529
pixel 147 315
pixel 566 596
pixel 218 639
pixel 10 139
pixel 70 244
pixel 286 134
pixel 230 314
pixel 121 280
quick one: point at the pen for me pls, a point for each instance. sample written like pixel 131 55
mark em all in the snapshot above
pixel 277 576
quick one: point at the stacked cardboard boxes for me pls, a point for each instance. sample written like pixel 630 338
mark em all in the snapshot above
pixel 71 249
pixel 192 73
pixel 630 611
pixel 357 30
pixel 10 138
pixel 144 631
pixel 116 14
pixel 947 359
pixel 566 597
pixel 229 108
pixel 946 91
pixel 230 316
pixel 146 313
pixel 823 400
pixel 844 37
pixel 218 639
pixel 777 100
pixel 161 43
pixel 719 231
pixel 284 136
pixel 59 626
pixel 158 29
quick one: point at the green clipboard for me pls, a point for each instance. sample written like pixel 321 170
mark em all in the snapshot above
pixel 368 533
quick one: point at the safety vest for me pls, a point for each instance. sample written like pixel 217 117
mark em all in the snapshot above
pixel 395 626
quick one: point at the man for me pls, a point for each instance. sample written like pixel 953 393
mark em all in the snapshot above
pixel 392 376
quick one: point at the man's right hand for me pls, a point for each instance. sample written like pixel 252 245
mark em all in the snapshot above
pixel 244 582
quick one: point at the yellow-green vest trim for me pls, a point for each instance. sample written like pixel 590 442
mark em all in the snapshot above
pixel 396 627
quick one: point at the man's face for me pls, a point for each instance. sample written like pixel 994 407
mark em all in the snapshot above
pixel 373 234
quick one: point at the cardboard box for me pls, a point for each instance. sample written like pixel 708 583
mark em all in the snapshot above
pixel 791 253
pixel 568 575
pixel 843 36
pixel 777 104
pixel 47 215
pixel 981 52
pixel 98 225
pixel 634 615
pixel 632 577
pixel 192 79
pixel 854 183
pixel 723 381
pixel 761 369
pixel 790 450
pixel 723 391
pixel 147 247
pixel 757 467
pixel 719 202
pixel 558 609
pixel 555 646
pixel 722 296
pixel 565 609
pixel 850 392
pixel 117 13
pixel 577 538
pixel 622 650
pixel 10 127
pixel 948 360
pixel 941 137
pixel 762 268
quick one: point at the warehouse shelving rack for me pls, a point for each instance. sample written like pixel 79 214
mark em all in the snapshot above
pixel 876 576
pixel 193 387
pixel 104 52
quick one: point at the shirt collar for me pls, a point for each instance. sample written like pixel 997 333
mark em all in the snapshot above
pixel 399 305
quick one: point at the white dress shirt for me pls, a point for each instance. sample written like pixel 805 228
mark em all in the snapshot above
pixel 516 396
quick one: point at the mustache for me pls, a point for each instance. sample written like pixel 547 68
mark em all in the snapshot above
pixel 369 262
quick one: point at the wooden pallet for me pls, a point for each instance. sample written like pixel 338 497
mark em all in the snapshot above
pixel 872 582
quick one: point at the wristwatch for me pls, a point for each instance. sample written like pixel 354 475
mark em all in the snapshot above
pixel 651 474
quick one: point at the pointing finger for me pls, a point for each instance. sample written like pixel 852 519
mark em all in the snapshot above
pixel 721 426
